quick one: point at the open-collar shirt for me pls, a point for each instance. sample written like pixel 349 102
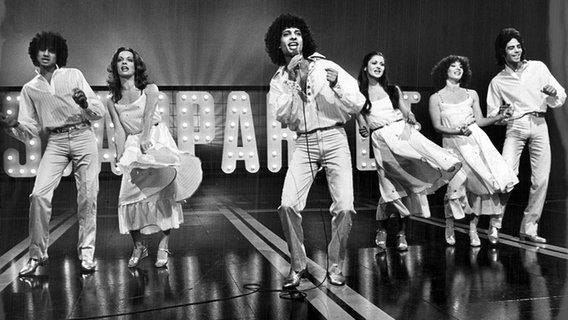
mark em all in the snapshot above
pixel 320 105
pixel 522 89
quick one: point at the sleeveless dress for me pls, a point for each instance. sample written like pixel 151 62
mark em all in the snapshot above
pixel 153 184
pixel 409 165
pixel 485 175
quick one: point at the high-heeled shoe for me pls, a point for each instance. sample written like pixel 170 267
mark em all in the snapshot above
pixel 401 244
pixel 493 235
pixel 162 258
pixel 381 239
pixel 138 254
pixel 474 239
pixel 450 233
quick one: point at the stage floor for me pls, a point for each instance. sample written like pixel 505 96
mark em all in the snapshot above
pixel 229 260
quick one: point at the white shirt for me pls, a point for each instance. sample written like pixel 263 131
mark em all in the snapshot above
pixel 522 89
pixel 47 105
pixel 323 106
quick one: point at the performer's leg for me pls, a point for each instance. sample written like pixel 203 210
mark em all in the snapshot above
pixel 337 164
pixel 516 138
pixel 87 167
pixel 53 162
pixel 401 243
pixel 299 178
pixel 473 236
pixel 540 157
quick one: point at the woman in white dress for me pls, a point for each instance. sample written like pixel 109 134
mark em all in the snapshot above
pixel 485 177
pixel 409 165
pixel 152 183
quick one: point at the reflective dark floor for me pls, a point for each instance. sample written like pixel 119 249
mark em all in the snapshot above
pixel 229 260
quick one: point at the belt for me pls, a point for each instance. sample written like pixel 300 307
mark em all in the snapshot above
pixel 71 127
pixel 377 128
pixel 337 125
pixel 537 114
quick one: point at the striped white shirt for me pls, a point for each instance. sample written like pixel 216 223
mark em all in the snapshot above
pixel 323 106
pixel 47 105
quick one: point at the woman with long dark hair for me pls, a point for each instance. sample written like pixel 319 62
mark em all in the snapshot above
pixel 408 164
pixel 152 183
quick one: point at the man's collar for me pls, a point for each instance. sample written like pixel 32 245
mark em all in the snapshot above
pixel 38 73
pixel 521 67
pixel 315 56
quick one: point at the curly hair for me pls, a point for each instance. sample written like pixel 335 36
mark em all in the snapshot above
pixel 52 41
pixel 440 71
pixel 501 44
pixel 274 34
pixel 363 80
pixel 140 76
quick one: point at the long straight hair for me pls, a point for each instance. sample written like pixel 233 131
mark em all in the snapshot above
pixel 383 81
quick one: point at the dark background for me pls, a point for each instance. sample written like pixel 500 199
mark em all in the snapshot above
pixel 218 46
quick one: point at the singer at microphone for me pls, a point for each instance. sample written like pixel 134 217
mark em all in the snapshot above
pixel 314 97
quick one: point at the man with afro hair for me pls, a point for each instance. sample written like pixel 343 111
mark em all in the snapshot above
pixel 313 97
pixel 59 104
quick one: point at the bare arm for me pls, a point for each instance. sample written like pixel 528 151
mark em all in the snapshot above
pixel 363 127
pixel 119 133
pixel 151 92
pixel 479 118
pixel 434 110
pixel 405 109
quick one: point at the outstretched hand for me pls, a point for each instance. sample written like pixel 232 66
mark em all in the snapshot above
pixel 8 121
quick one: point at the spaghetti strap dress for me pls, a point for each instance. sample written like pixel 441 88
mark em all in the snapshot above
pixel 409 166
pixel 484 177
pixel 153 184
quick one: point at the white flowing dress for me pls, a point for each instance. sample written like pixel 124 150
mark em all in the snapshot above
pixel 408 164
pixel 153 184
pixel 484 177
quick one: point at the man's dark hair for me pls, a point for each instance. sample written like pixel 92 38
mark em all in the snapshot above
pixel 501 43
pixel 52 41
pixel 274 33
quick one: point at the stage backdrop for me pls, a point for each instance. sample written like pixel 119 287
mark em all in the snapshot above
pixel 220 44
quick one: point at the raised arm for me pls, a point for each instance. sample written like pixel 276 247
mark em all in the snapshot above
pixel 93 108
pixel 284 100
pixel 345 88
pixel 555 93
